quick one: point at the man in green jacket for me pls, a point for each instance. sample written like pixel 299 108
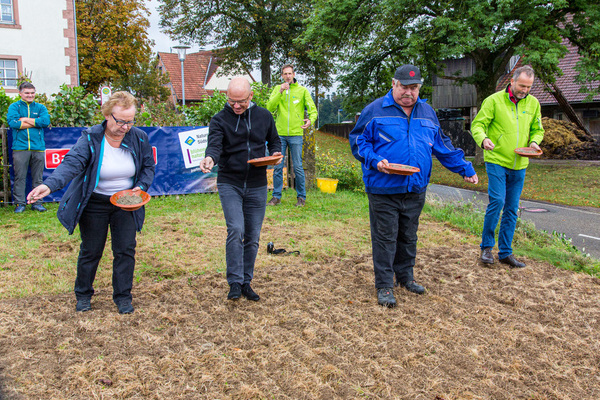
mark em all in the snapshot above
pixel 288 102
pixel 27 120
pixel 507 120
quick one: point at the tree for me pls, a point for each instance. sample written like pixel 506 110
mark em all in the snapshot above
pixel 147 83
pixel 112 40
pixel 379 35
pixel 243 30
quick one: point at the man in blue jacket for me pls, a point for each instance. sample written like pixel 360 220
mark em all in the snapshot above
pixel 400 128
pixel 27 119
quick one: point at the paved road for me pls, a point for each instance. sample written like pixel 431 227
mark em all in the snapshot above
pixel 582 226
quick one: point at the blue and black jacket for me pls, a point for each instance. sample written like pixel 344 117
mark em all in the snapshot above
pixel 384 131
pixel 31 139
pixel 82 165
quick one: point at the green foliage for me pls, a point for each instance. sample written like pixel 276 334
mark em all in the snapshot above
pixel 73 107
pixel 244 31
pixel 147 83
pixel 328 110
pixel 261 94
pixel 160 114
pixel 5 101
pixel 348 173
pixel 200 114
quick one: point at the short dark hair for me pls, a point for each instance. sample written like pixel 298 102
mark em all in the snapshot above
pixel 525 69
pixel 287 66
pixel 26 85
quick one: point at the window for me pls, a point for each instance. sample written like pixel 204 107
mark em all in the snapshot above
pixel 7 15
pixel 8 73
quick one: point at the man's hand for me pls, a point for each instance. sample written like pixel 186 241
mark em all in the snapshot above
pixel 306 124
pixel 534 145
pixel 27 122
pixel 381 164
pixel 278 153
pixel 207 164
pixel 37 194
pixel 472 179
pixel 284 86
pixel 487 144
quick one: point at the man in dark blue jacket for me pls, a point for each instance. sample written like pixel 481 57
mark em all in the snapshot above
pixel 400 128
pixel 238 133
pixel 27 119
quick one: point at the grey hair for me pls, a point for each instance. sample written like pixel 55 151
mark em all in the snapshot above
pixel 395 81
pixel 526 69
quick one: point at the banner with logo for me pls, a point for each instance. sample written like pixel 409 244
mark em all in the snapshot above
pixel 177 153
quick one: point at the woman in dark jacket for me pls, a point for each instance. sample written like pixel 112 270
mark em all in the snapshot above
pixel 107 158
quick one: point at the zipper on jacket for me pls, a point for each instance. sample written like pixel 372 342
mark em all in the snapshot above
pixel 517 117
pixel 28 137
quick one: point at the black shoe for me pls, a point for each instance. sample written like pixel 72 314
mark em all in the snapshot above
pixel 385 297
pixel 414 287
pixel 38 207
pixel 83 305
pixel 486 255
pixel 235 291
pixel 19 209
pixel 125 307
pixel 249 293
pixel 512 262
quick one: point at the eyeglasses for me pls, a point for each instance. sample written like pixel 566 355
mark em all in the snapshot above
pixel 120 122
pixel 240 102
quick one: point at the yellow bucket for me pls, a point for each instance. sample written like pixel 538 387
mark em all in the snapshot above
pixel 327 185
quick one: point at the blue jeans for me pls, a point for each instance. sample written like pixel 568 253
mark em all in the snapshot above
pixel 295 144
pixel 244 210
pixel 394 224
pixel 504 190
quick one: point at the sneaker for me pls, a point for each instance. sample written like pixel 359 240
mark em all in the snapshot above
pixel 20 208
pixel 249 293
pixel 274 201
pixel 512 262
pixel 385 297
pixel 486 255
pixel 301 202
pixel 235 291
pixel 38 207
pixel 83 305
pixel 125 307
pixel 414 287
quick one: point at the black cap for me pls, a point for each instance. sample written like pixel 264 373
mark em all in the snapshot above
pixel 408 75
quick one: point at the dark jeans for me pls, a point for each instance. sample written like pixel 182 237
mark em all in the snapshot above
pixel 394 224
pixel 97 217
pixel 22 160
pixel 244 210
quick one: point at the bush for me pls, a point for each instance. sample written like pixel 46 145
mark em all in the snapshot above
pixel 72 107
pixel 200 114
pixel 348 173
pixel 160 114
pixel 5 101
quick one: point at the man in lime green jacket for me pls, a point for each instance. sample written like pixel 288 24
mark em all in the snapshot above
pixel 508 119
pixel 288 102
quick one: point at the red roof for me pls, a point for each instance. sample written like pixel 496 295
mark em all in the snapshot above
pixel 198 69
pixel 566 82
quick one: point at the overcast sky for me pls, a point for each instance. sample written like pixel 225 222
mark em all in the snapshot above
pixel 162 42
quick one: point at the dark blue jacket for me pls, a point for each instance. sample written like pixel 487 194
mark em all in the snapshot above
pixel 30 138
pixel 383 131
pixel 82 164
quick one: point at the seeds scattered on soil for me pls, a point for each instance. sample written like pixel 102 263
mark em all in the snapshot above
pixel 129 200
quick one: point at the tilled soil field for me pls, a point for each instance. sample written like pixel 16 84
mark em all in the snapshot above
pixel 317 333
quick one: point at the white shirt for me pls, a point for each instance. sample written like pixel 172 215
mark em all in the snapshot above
pixel 116 171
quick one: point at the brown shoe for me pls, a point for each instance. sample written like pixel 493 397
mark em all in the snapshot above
pixel 301 202
pixel 274 201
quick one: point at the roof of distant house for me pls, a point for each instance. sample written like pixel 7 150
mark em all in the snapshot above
pixel 198 69
pixel 566 82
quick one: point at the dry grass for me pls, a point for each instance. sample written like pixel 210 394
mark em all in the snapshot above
pixel 317 333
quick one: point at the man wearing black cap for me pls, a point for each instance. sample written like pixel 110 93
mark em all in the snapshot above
pixel 400 128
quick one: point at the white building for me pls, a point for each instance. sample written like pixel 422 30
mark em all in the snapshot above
pixel 38 38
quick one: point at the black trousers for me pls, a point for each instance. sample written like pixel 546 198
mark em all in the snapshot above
pixel 98 215
pixel 394 224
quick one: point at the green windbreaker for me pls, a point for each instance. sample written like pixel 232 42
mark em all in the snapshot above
pixel 288 107
pixel 508 126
